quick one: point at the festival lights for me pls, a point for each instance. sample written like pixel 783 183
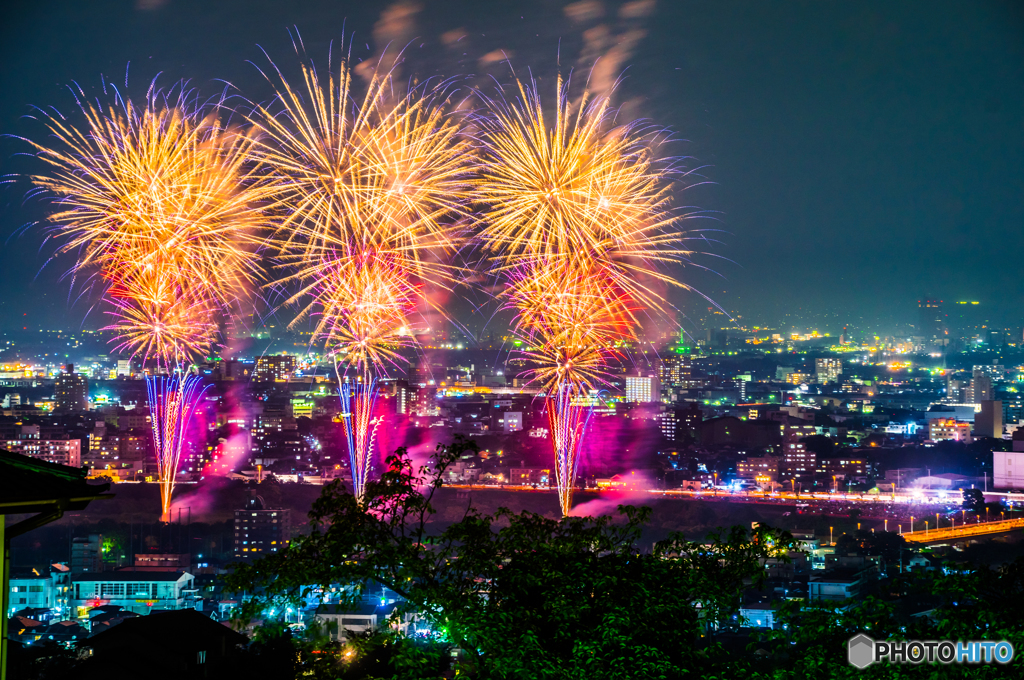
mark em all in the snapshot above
pixel 162 211
pixel 362 203
pixel 576 221
pixel 373 194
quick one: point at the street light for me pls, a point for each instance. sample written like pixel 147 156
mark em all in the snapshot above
pixel 830 541
pixel 887 525
pixel 911 524
pixel 926 529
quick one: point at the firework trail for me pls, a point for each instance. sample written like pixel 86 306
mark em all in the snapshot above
pixel 172 402
pixel 569 412
pixel 364 310
pixel 163 211
pixel 375 191
pixel 576 221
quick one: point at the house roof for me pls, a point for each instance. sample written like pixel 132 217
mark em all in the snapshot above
pixel 361 609
pixel 129 576
pixel 31 612
pixel 187 628
pixel 110 617
pixel 28 574
pixel 23 622
pixel 31 485
pixel 64 629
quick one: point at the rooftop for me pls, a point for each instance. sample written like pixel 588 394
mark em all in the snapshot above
pixel 131 576
pixel 31 485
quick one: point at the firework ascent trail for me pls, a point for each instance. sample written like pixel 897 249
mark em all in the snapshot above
pixel 172 402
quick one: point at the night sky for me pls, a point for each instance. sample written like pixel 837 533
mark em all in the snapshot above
pixel 859 155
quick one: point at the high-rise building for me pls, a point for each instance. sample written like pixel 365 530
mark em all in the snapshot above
pixel 274 368
pixel 424 402
pixel 766 467
pixel 667 424
pixel 237 369
pixel 260 530
pixel 124 367
pixel 404 397
pixel 70 391
pixel 799 378
pixel 116 455
pixel 797 461
pixel 932 320
pixel 87 554
pixel 1013 410
pixel 680 424
pixel 956 391
pixel 642 388
pixel 783 372
pixel 741 386
pixel 54 448
pixel 993 371
pixel 420 375
pixel 989 421
pixel 60 451
pixel 828 370
pixel 676 370
pixel 980 389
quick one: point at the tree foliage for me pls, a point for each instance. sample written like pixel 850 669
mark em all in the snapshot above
pixel 522 595
pixel 527 596
pixel 966 603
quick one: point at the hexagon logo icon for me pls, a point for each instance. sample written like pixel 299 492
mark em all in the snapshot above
pixel 861 651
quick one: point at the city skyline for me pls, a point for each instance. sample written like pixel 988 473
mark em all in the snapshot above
pixel 557 338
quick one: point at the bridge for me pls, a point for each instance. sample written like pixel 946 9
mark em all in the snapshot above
pixel 932 535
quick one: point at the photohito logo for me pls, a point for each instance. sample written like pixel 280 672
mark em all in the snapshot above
pixel 862 651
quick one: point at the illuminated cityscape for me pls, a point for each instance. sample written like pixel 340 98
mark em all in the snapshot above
pixel 601 338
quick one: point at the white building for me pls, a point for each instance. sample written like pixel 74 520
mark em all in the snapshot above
pixel 41 591
pixel 760 615
pixel 341 621
pixel 828 370
pixel 1008 468
pixel 137 591
pixel 512 421
pixel 643 388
